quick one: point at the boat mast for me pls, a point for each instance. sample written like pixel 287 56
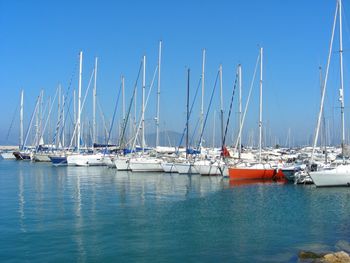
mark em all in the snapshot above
pixel 187 109
pixel 21 121
pixel 240 107
pixel 31 121
pixel 94 105
pixel 214 119
pixel 58 114
pixel 260 103
pixel 158 93
pixel 202 103
pixel 41 115
pixel 79 99
pixel 36 138
pixel 324 86
pixel 341 91
pixel 323 130
pixel 135 111
pixel 247 103
pixel 123 100
pixel 221 109
pixel 143 104
pixel 75 116
pixel 49 123
pixel 63 121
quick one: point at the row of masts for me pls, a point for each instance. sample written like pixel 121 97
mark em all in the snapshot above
pixel 241 113
pixel 78 109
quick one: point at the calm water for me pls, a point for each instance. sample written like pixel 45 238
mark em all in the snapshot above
pixel 50 214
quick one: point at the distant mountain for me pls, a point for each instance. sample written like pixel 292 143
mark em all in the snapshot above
pixel 166 138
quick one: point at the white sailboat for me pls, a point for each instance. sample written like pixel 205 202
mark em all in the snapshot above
pixel 121 162
pixel 339 175
pixel 7 155
pixel 146 163
pixel 186 166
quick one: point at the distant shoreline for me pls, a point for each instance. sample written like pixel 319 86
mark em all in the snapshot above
pixel 8 147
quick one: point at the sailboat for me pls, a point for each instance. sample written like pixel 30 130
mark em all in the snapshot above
pixel 215 165
pixel 257 171
pixel 84 159
pixel 339 175
pixel 145 162
pixel 25 153
pixel 186 165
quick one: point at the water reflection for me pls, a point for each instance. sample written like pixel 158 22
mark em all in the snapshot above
pixel 102 215
pixel 21 202
pixel 136 187
pixel 164 187
pixel 247 182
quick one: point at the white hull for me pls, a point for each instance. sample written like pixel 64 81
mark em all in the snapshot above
pixel 121 163
pixel 108 161
pixel 41 157
pixel 185 168
pixel 339 176
pixel 169 168
pixel 209 168
pixel 8 156
pixel 85 160
pixel 146 165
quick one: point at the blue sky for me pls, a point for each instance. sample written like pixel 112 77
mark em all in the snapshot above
pixel 40 42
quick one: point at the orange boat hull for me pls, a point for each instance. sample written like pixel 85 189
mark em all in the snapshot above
pixel 254 174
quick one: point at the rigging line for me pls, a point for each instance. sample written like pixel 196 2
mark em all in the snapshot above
pixel 31 122
pixel 194 131
pixel 69 113
pixel 82 107
pixel 248 100
pixel 40 131
pixel 209 106
pixel 230 110
pixel 324 85
pixel 12 121
pixel 103 116
pixel 194 99
pixel 64 101
pixel 48 117
pixel 114 113
pixel 64 123
pixel 145 106
pixel 125 122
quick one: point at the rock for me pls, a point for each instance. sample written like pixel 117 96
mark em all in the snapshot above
pixel 306 255
pixel 343 245
pixel 338 257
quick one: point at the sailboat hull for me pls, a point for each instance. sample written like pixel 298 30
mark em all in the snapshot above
pixel 58 160
pixel 21 156
pixel 185 168
pixel 41 157
pixel 169 167
pixel 121 163
pixel 254 174
pixel 146 165
pixel 8 156
pixel 339 176
pixel 85 160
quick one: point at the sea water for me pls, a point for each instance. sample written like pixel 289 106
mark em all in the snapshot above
pixel 96 214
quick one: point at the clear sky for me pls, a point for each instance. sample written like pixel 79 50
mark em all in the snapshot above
pixel 40 42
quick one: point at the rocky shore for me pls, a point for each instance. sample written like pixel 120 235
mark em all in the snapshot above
pixel 341 256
